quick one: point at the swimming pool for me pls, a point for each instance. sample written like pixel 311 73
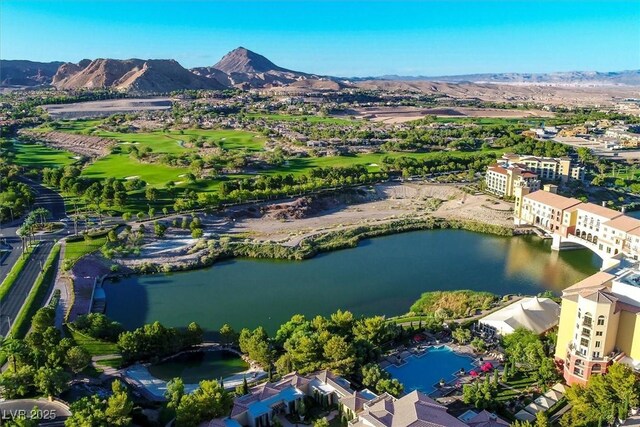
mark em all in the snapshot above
pixel 424 372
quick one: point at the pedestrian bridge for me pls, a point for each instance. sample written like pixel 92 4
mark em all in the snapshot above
pixel 582 239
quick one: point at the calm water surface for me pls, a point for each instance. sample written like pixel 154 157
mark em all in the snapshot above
pixel 381 276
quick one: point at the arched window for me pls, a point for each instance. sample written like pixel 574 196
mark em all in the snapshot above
pixel 600 320
pixel 596 368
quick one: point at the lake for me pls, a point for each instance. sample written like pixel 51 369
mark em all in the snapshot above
pixel 384 275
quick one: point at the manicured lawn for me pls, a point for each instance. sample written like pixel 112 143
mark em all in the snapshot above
pixel 41 156
pixel 122 166
pixel 112 363
pixel 299 166
pixel 76 250
pixel 93 346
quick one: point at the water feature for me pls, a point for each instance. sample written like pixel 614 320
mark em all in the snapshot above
pixel 381 276
pixel 200 365
pixel 425 371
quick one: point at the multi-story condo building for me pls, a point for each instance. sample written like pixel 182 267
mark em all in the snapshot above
pixel 502 181
pixel 600 315
pixel 599 324
pixel 548 168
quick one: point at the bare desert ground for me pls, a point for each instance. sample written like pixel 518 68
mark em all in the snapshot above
pixel 384 203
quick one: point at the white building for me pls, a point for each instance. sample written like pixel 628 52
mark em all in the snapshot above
pixel 535 314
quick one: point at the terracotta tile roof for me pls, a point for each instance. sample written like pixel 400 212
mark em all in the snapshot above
pixel 497 169
pixel 623 223
pixel 599 279
pixel 594 209
pixel 551 199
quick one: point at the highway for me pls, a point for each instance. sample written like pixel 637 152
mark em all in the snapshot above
pixel 14 300
pixel 11 304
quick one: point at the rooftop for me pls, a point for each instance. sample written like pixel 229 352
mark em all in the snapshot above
pixel 624 223
pixel 552 199
pixel 602 211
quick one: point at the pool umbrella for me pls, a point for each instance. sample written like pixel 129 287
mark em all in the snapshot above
pixel 473 373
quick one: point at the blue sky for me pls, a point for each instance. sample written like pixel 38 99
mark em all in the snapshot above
pixel 345 38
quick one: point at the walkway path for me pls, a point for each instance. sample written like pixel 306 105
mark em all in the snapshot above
pixel 64 284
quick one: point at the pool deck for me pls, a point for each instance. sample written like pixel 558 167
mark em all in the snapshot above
pixel 403 357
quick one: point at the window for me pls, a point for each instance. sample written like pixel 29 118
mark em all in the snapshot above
pixel 600 320
pixel 599 333
pixel 584 342
pixel 597 344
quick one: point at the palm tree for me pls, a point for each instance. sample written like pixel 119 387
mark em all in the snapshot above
pixel 13 349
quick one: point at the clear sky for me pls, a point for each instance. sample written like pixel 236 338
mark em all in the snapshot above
pixel 344 38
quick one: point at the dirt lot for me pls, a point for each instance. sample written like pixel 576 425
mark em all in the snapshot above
pixel 383 203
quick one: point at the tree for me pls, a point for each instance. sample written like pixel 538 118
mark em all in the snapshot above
pixel 44 318
pixel 197 233
pixel 209 401
pixel 542 420
pixel 228 335
pixel 77 359
pixel 88 411
pixel 391 386
pixel 16 384
pixel 119 406
pixel 174 392
pixel 321 422
pixel 13 349
pixel 51 381
pixel 151 194
pixel 461 335
pixel 340 355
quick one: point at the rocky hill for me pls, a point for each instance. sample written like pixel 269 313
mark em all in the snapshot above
pixel 153 75
pixel 26 73
pixel 247 69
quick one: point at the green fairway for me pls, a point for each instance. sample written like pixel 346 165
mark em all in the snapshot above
pixel 121 166
pixel 41 156
pixel 299 166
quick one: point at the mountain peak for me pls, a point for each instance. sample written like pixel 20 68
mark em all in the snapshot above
pixel 242 60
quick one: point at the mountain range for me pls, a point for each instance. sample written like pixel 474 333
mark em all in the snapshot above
pixel 242 68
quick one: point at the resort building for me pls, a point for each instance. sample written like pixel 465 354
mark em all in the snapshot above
pixel 606 231
pixel 599 324
pixel 502 181
pixel 544 209
pixel 535 314
pixel 269 401
pixel 482 419
pixel 413 409
pixel 547 168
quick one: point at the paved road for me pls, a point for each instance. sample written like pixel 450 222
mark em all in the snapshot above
pixel 14 300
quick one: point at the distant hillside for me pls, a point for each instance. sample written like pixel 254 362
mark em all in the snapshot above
pixel 26 73
pixel 153 75
pixel 247 69
pixel 244 69
pixel 630 77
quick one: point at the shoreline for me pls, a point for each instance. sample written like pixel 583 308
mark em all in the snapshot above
pixel 310 247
